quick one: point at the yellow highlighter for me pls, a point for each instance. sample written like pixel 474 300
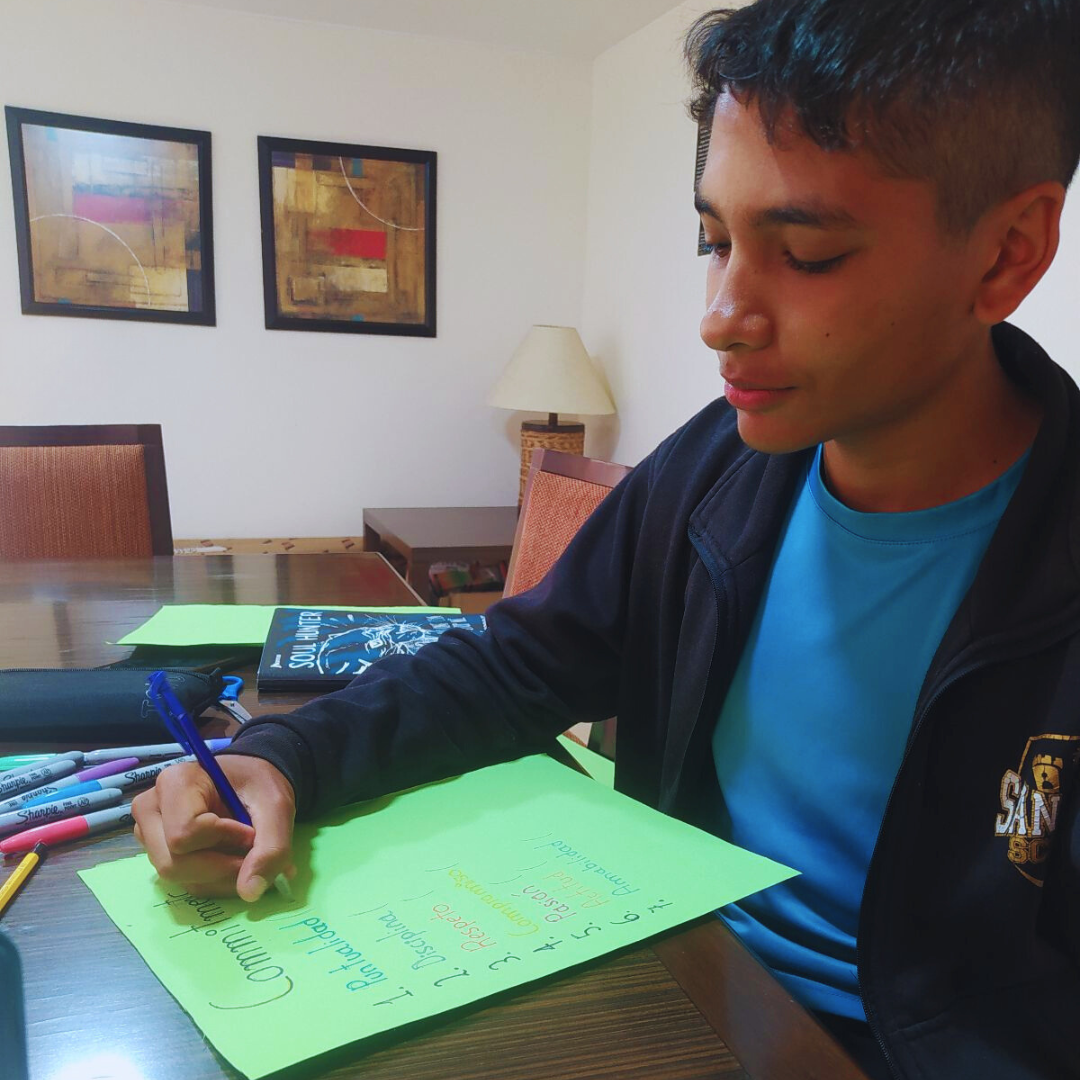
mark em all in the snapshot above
pixel 19 875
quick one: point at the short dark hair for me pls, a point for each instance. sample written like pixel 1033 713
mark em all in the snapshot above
pixel 980 97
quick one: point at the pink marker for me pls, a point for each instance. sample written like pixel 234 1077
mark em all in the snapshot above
pixel 57 832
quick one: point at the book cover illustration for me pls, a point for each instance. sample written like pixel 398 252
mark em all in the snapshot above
pixel 325 649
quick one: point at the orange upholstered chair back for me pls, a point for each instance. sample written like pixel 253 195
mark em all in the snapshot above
pixel 83 492
pixel 561 492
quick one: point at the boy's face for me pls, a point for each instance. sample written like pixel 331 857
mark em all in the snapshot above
pixel 837 307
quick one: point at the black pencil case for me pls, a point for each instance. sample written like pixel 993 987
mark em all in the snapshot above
pixel 86 705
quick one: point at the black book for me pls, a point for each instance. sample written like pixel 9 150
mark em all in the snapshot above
pixel 326 648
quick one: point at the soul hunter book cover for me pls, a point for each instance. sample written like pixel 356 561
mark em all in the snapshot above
pixel 326 648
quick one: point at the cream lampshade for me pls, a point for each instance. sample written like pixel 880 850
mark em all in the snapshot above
pixel 550 372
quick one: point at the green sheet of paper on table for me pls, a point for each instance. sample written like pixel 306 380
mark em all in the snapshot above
pixel 423 902
pixel 226 624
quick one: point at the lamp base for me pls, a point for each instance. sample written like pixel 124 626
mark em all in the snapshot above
pixel 570 438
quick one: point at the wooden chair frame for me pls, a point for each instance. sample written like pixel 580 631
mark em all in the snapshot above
pixel 591 470
pixel 148 436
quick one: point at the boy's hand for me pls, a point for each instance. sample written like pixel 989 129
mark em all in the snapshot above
pixel 184 826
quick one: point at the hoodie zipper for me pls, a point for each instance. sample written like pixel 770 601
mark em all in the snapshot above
pixel 920 720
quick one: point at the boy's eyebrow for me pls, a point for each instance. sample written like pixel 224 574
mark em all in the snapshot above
pixel 815 215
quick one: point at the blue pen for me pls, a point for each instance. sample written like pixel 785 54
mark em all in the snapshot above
pixel 180 726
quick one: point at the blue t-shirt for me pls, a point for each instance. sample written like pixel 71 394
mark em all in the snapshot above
pixel 813 729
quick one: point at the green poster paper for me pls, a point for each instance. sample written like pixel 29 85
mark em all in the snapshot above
pixel 229 624
pixel 423 902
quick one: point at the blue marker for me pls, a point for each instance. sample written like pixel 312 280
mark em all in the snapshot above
pixel 119 781
pixel 66 782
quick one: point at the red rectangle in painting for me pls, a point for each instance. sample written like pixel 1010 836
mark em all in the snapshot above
pixel 110 208
pixel 361 243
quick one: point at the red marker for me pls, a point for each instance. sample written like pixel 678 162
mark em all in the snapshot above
pixel 57 832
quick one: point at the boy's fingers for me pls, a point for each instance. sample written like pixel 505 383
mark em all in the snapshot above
pixel 213 872
pixel 270 854
pixel 185 828
pixel 191 809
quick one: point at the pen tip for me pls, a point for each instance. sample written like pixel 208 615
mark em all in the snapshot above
pixel 41 849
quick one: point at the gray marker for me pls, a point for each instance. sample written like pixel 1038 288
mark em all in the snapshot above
pixel 58 832
pixel 68 755
pixel 36 777
pixel 57 787
pixel 29 816
pixel 46 789
pixel 141 775
pixel 147 753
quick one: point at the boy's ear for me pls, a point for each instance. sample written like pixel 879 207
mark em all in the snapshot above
pixel 1021 239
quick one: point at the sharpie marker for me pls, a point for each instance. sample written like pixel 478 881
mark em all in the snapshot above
pixel 59 832
pixel 148 753
pixel 106 768
pixel 8 762
pixel 32 778
pixel 29 816
pixel 120 782
pixel 36 760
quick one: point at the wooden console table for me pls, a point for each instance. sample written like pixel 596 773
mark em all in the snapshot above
pixel 421 535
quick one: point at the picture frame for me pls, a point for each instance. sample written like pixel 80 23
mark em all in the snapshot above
pixel 348 237
pixel 113 220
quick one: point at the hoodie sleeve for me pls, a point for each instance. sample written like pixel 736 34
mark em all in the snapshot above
pixel 550 658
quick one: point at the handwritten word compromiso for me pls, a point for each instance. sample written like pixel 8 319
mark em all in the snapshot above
pixel 580 861
pixel 507 910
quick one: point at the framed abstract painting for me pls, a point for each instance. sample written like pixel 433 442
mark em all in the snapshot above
pixel 112 220
pixel 348 236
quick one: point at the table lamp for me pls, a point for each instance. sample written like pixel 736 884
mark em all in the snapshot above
pixel 550 372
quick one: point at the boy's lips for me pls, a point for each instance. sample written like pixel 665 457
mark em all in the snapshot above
pixel 750 396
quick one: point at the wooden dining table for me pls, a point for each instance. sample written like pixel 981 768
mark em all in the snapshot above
pixel 689 1005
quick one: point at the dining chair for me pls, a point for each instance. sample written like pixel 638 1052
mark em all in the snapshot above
pixel 83 491
pixel 561 492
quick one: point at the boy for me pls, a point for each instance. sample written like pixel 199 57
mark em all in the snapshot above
pixel 837 614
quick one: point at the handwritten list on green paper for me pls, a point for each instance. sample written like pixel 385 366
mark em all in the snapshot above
pixel 422 902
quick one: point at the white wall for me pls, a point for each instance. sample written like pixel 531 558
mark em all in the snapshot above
pixel 1051 314
pixel 286 433
pixel 644 284
pixel 544 216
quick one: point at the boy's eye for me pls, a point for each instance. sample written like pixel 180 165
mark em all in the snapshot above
pixel 718 247
pixel 820 266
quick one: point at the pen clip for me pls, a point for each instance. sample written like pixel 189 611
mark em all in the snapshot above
pixel 161 695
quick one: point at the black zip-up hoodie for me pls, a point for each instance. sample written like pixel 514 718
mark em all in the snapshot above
pixel 969 934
